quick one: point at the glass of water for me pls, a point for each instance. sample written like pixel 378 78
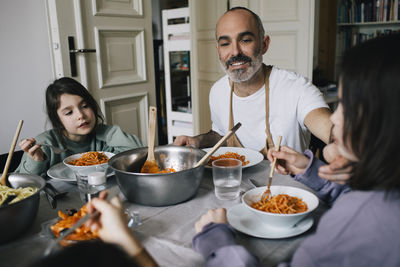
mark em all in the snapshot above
pixel 227 176
pixel 83 186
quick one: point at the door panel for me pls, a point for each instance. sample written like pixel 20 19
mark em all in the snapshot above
pixel 128 111
pixel 290 24
pixel 121 56
pixel 120 75
pixel 205 64
pixel 130 8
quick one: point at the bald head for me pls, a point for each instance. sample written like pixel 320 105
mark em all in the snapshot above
pixel 246 14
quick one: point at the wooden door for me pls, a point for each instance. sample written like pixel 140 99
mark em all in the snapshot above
pixel 204 15
pixel 120 74
pixel 290 24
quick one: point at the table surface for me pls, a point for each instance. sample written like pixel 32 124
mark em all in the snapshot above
pixel 166 232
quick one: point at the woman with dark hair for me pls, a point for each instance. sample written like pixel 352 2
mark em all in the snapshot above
pixel 362 227
pixel 77 127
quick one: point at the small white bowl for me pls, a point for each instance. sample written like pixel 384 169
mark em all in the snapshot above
pixel 85 170
pixel 275 219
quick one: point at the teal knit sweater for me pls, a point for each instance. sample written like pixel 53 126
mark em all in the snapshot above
pixel 106 138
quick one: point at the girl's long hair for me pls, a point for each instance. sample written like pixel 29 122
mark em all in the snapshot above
pixel 67 85
pixel 370 78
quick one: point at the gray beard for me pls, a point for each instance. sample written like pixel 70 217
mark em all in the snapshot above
pixel 239 76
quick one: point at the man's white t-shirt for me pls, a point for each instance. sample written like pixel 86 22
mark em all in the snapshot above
pixel 291 98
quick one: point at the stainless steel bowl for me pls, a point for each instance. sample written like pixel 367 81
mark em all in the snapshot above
pixel 159 189
pixel 16 218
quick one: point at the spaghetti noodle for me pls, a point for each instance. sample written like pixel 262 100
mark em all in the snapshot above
pixel 232 155
pixel 282 204
pixel 90 158
pixel 67 221
pixel 167 170
pixel 19 193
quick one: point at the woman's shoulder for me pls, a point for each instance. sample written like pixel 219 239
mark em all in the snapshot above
pixel 354 226
pixel 359 212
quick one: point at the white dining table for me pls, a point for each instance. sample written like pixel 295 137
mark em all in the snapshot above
pixel 166 232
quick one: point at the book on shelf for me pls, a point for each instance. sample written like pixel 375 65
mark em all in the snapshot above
pixel 348 37
pixel 359 11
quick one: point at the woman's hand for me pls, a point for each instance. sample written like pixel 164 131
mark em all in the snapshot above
pixel 288 161
pixel 112 223
pixel 215 216
pixel 31 149
pixel 339 168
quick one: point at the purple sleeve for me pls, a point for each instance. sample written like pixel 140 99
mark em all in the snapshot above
pixel 217 245
pixel 326 190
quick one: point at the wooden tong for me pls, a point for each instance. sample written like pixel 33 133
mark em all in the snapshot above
pixel 217 145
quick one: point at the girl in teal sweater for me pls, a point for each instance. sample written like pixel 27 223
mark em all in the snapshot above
pixel 77 127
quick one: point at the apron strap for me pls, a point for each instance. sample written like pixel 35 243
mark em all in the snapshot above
pixel 232 141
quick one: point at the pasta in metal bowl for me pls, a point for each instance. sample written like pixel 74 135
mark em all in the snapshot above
pixel 17 217
pixel 19 193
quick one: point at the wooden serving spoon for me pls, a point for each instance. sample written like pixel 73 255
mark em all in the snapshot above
pixel 151 166
pixel 3 179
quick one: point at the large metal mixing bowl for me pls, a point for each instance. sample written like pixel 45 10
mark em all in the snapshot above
pixel 16 218
pixel 159 189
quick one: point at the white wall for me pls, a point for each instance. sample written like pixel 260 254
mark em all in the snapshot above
pixel 25 69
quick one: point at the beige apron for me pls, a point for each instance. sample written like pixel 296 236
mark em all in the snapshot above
pixel 233 141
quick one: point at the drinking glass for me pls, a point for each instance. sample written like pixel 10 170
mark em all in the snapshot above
pixel 227 176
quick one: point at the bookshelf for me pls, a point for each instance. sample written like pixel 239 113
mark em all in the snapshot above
pixel 360 20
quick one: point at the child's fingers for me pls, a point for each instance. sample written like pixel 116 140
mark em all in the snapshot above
pixel 116 202
pixel 281 170
pixel 25 144
pixel 33 149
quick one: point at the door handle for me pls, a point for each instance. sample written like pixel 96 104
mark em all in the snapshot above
pixel 73 52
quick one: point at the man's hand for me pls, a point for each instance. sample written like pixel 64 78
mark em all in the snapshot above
pixel 288 161
pixel 184 140
pixel 208 139
pixel 339 168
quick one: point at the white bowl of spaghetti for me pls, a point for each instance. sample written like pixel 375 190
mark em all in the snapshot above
pixel 88 162
pixel 285 208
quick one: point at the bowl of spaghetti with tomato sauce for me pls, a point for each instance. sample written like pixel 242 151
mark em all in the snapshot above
pixel 85 163
pixel 285 207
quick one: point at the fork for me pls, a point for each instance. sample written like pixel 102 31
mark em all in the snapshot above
pixel 267 194
pixel 55 149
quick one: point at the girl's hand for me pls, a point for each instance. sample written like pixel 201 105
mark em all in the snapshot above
pixel 112 223
pixel 32 150
pixel 288 161
pixel 215 216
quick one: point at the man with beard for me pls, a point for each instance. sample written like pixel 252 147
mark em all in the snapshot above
pixel 268 101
